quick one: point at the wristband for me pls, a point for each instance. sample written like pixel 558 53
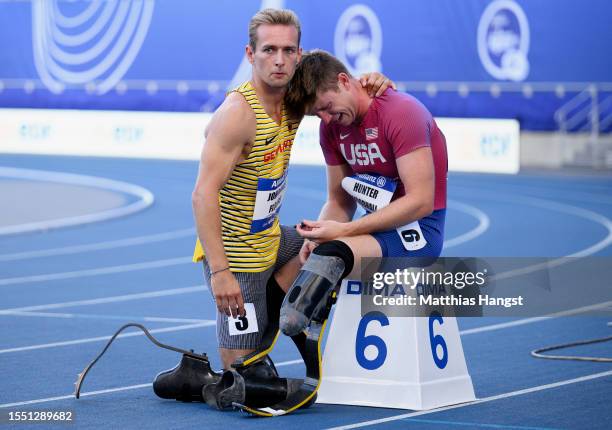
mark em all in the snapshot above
pixel 219 271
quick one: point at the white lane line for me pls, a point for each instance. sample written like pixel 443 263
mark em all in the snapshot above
pixel 563 208
pixel 566 313
pixel 605 222
pixel 577 211
pixel 98 246
pixel 155 264
pixel 71 396
pixel 103 317
pixel 477 402
pixel 205 323
pixel 501 326
pixel 109 299
pixel 145 198
pixel 484 222
pixel 109 390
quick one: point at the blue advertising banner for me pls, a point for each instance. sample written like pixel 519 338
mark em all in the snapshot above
pixel 487 58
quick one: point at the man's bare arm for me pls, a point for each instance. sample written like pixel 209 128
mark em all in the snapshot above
pixel 416 171
pixel 417 174
pixel 339 205
pixel 231 130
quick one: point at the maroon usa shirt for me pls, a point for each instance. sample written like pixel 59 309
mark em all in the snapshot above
pixel 394 125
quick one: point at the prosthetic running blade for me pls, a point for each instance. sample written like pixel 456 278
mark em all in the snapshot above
pixel 83 374
pixel 305 395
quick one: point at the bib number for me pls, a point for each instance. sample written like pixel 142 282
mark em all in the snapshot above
pixel 243 325
pixel 268 202
pixel 374 192
pixel 411 236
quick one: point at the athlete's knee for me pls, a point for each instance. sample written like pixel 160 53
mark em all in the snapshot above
pixel 337 249
pixel 308 298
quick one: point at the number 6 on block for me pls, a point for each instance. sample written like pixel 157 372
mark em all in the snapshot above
pixel 362 342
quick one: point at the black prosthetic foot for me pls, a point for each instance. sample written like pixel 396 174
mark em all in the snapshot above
pixel 257 383
pixel 185 381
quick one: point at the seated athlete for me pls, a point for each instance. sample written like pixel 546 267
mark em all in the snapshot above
pixel 386 154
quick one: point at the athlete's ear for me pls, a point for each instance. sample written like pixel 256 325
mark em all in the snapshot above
pixel 344 80
pixel 249 53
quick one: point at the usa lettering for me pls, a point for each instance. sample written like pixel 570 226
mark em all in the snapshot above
pixel 362 154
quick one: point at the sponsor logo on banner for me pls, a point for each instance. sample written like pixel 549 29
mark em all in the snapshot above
pixel 503 40
pixel 34 131
pixel 495 145
pixel 128 134
pixel 358 39
pixel 87 44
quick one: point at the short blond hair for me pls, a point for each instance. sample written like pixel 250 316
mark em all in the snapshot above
pixel 273 17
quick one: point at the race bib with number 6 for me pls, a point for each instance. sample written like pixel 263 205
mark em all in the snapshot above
pixel 374 192
pixel 411 236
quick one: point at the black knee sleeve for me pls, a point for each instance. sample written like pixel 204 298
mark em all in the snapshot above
pixel 337 248
pixel 309 296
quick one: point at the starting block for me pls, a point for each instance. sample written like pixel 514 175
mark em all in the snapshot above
pixel 392 362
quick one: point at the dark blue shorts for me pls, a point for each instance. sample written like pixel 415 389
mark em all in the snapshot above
pixel 432 227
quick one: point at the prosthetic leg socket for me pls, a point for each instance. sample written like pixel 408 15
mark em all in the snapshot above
pixel 308 298
pixel 185 381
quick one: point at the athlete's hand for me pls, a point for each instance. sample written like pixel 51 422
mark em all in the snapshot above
pixel 376 83
pixel 228 297
pixel 306 250
pixel 322 231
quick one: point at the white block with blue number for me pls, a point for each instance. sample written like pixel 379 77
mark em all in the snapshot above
pixel 392 362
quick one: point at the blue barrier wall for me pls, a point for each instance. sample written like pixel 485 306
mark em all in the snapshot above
pixel 503 58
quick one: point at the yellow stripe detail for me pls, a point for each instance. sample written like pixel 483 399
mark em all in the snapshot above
pixel 262 353
pixel 261 413
pixel 268 158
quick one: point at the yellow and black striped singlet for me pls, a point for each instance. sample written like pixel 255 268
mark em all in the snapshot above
pixel 252 246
